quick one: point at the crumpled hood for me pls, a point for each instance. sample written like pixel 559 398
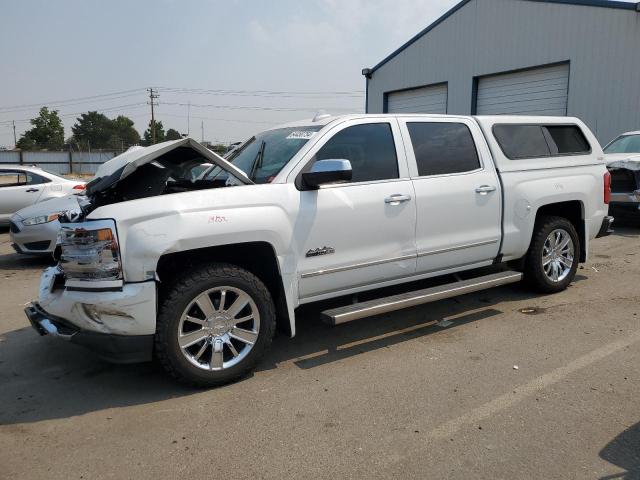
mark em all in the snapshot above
pixel 120 167
pixel 55 205
pixel 630 161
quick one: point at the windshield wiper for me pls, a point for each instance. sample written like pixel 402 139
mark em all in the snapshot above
pixel 257 162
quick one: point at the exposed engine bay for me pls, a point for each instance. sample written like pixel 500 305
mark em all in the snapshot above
pixel 180 170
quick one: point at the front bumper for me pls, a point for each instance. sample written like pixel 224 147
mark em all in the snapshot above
pixel 118 326
pixel 606 227
pixel 130 310
pixel 113 348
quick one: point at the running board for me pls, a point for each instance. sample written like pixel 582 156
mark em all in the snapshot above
pixel 336 316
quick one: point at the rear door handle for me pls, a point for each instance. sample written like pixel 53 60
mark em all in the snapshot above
pixel 397 199
pixel 31 190
pixel 484 189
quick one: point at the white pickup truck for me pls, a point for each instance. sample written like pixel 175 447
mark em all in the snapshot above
pixel 179 255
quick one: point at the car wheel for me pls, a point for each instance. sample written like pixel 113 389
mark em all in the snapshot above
pixel 214 325
pixel 552 260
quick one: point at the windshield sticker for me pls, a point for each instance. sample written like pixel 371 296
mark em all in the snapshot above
pixel 301 135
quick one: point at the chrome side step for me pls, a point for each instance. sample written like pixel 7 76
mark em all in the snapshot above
pixel 336 316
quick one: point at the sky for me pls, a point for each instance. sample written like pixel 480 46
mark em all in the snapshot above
pixel 242 65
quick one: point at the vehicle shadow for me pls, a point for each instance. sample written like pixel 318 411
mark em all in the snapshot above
pixel 45 378
pixel 16 261
pixel 626 227
pixel 624 452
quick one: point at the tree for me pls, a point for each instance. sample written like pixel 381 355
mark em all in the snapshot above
pixel 148 138
pixel 172 135
pixel 92 130
pixel 124 135
pixel 47 132
pixel 95 130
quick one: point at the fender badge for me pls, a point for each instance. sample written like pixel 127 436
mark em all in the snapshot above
pixel 320 251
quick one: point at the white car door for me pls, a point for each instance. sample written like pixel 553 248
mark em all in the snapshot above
pixel 357 234
pixel 15 192
pixel 458 195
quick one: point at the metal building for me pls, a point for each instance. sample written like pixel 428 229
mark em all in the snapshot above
pixel 538 57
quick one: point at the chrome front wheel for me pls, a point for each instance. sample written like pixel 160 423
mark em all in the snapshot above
pixel 219 328
pixel 214 323
pixel 558 255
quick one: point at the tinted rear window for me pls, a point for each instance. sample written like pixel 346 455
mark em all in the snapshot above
pixel 531 141
pixel 442 148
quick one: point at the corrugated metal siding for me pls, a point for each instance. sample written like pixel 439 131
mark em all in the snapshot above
pixel 539 91
pixel 9 157
pixel 58 162
pixel 488 37
pixel 431 99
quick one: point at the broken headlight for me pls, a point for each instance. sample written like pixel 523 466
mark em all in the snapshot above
pixel 90 252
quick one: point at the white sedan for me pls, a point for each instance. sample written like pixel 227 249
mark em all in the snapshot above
pixel 22 186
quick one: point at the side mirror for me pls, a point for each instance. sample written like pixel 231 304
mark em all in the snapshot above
pixel 327 171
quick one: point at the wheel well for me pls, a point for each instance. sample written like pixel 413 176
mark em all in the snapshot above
pixel 572 211
pixel 258 258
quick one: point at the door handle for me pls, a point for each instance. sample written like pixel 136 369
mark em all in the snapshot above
pixel 31 190
pixel 484 189
pixel 397 199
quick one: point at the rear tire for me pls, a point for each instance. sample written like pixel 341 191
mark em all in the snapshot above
pixel 552 260
pixel 214 325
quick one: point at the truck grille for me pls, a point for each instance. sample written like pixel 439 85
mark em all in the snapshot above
pixel 623 180
pixel 14 228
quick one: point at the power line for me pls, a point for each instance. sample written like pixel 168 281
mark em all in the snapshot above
pixel 176 90
pixel 78 100
pixel 263 93
pixel 245 107
pixel 219 119
pixel 65 115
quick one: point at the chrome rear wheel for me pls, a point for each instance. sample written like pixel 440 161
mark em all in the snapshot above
pixel 558 255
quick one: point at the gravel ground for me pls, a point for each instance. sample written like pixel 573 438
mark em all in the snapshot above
pixel 390 396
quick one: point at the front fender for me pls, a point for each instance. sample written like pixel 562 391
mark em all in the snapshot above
pixel 152 227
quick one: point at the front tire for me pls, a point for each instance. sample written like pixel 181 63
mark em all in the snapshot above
pixel 552 260
pixel 214 325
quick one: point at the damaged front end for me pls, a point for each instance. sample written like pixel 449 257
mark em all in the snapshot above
pixel 85 298
pixel 166 168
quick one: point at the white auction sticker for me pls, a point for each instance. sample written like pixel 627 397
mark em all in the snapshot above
pixel 301 135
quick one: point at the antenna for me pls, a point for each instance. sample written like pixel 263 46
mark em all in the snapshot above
pixel 321 115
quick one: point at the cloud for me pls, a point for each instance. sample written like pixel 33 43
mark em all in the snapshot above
pixel 364 28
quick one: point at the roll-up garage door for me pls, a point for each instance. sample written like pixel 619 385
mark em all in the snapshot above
pixel 538 91
pixel 432 99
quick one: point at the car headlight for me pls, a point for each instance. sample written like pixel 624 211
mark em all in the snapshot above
pixel 40 219
pixel 90 252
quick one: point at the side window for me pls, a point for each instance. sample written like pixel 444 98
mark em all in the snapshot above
pixel 521 141
pixel 12 179
pixel 442 148
pixel 33 179
pixel 531 141
pixel 370 149
pixel 566 139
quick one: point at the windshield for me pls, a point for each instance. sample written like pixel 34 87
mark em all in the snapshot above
pixel 264 155
pixel 624 144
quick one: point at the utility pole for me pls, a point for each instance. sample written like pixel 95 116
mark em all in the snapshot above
pixel 152 96
pixel 202 128
pixel 188 116
pixel 15 142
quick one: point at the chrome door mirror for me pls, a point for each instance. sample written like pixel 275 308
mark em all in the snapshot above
pixel 327 171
